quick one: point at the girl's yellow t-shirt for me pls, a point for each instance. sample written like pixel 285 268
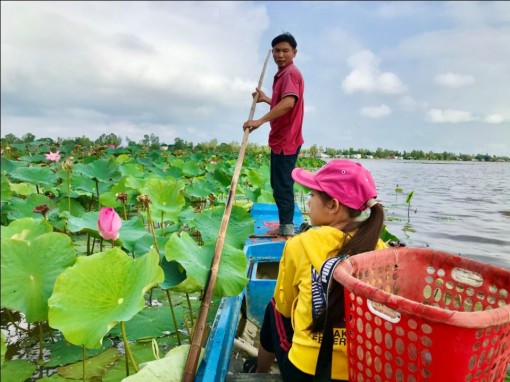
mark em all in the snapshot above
pixel 293 296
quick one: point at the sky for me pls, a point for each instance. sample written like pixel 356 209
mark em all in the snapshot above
pixel 430 76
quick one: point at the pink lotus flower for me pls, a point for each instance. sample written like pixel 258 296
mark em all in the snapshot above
pixel 109 223
pixel 111 146
pixel 53 156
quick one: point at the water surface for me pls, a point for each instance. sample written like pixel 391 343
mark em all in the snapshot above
pixel 457 207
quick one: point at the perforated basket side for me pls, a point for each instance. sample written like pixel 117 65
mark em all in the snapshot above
pixel 421 315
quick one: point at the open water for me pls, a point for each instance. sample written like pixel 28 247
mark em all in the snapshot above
pixel 458 207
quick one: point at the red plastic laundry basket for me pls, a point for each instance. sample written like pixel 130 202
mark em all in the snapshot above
pixel 416 314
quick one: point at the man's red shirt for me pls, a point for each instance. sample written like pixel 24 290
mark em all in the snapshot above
pixel 286 131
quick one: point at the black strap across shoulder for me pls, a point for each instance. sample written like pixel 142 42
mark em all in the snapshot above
pixel 324 360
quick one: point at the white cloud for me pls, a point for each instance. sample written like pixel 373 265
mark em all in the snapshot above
pixel 450 116
pixel 375 111
pixel 408 103
pixel 367 77
pixel 494 119
pixel 452 80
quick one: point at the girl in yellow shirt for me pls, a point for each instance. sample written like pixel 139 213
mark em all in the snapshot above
pixel 295 318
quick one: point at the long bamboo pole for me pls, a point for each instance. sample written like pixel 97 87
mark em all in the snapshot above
pixel 194 352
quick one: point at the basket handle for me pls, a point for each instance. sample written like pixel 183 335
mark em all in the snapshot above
pixel 383 311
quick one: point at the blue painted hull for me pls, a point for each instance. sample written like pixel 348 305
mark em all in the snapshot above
pixel 259 253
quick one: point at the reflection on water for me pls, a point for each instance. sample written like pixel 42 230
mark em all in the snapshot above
pixel 457 207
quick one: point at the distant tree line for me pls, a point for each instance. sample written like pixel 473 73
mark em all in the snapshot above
pixel 152 142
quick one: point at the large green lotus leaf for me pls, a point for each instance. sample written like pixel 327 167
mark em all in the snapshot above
pixel 35 175
pixel 8 166
pixel 192 169
pixel 167 369
pixel 77 208
pixel 95 367
pixel 196 261
pixel 132 231
pixel 103 170
pixel 17 370
pixel 63 353
pixel 174 273
pixel 144 161
pixel 23 188
pixel 100 290
pixel 29 271
pixel 123 158
pixel 22 208
pixel 254 177
pixel 219 186
pixel 109 198
pixel 142 352
pixel 240 225
pixel 223 177
pixel 26 229
pixel 166 195
pixel 139 184
pixel 82 185
pixel 6 189
pixel 132 169
pixel 265 197
pixel 3 349
pixel 155 321
pixel 202 188
pixel 84 223
pixel 144 244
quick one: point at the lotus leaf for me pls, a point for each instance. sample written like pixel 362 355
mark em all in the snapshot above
pixel 132 169
pixel 192 169
pixel 17 370
pixel 100 290
pixel 154 321
pixel 142 352
pixel 86 222
pixel 35 175
pixel 3 349
pixel 265 197
pixel 102 170
pixel 6 189
pixel 201 188
pixel 166 195
pixel 29 271
pixel 23 189
pixel 8 166
pixel 168 369
pixel 95 366
pixel 240 226
pixel 174 273
pixel 26 229
pixel 21 208
pixel 196 261
pixel 64 353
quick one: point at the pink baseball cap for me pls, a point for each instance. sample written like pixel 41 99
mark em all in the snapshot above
pixel 344 180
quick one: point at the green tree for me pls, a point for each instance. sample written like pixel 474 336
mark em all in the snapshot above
pixel 110 139
pixel 28 138
pixel 9 139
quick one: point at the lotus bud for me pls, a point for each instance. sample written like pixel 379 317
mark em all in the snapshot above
pixel 67 165
pixel 109 223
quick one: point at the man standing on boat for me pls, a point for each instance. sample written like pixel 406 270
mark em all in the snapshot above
pixel 286 120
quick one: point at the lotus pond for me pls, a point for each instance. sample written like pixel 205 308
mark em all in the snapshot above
pixel 77 306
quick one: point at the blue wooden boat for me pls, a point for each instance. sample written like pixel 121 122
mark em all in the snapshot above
pixel 263 256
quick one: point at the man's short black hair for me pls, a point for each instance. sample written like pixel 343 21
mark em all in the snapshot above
pixel 285 37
